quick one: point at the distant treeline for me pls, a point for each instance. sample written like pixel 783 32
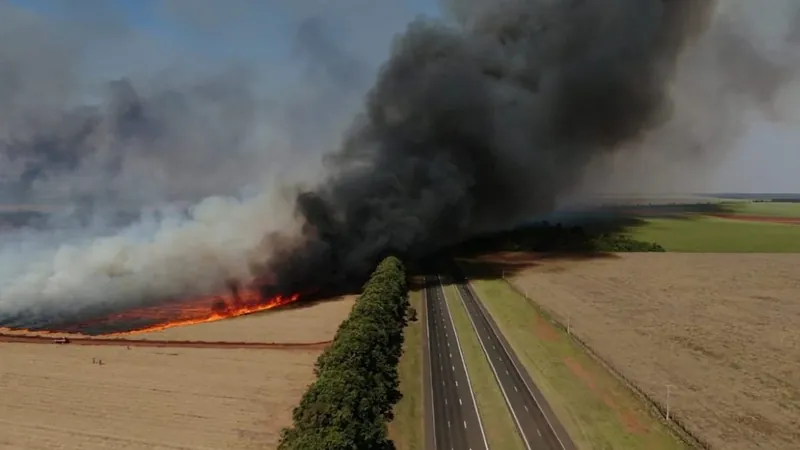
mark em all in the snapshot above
pixel 544 237
pixel 350 403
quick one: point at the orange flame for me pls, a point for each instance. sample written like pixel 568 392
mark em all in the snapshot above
pixel 237 303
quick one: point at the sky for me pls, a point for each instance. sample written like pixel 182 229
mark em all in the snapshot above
pixel 263 35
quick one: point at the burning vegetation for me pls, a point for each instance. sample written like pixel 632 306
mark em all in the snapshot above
pixel 237 302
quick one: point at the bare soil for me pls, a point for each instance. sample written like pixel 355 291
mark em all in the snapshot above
pixel 721 329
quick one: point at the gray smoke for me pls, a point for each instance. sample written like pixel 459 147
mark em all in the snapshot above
pixel 472 128
pixel 473 123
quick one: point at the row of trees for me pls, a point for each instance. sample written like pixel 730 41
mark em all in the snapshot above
pixel 350 403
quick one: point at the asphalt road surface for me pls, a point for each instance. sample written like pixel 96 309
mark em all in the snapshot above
pixel 532 416
pixel 456 422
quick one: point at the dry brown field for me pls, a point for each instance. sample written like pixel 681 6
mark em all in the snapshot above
pixel 55 397
pixel 721 329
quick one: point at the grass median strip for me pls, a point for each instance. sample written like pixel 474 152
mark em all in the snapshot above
pixel 501 433
pixel 598 410
pixel 407 429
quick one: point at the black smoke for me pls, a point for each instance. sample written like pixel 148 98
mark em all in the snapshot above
pixel 471 128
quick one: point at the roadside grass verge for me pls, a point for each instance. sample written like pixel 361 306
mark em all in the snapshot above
pixel 407 428
pixel 714 235
pixel 501 433
pixel 597 409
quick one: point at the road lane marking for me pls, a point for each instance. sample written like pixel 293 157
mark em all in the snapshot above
pixel 515 388
pixel 539 432
pixel 454 368
pixel 459 401
pixel 465 424
pixel 466 372
pixel 526 408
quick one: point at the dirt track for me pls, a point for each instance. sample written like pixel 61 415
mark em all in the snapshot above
pixel 7 338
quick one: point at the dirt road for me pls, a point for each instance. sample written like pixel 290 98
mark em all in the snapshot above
pixel 21 339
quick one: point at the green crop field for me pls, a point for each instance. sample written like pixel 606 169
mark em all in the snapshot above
pixel 710 234
pixel 767 209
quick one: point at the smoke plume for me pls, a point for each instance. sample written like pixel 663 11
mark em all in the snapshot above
pixel 471 125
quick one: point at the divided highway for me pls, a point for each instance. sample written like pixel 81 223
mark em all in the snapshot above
pixel 456 424
pixel 539 429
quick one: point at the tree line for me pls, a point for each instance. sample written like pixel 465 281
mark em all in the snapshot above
pixel 350 403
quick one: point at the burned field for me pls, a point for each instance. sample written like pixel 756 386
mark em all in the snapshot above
pixel 720 329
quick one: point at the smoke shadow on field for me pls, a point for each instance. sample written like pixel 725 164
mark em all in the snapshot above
pixel 576 236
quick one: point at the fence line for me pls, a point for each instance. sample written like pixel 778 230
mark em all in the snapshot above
pixel 676 424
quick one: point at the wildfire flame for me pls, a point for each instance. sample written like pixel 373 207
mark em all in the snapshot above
pixel 238 302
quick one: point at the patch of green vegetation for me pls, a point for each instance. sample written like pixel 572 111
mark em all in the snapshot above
pixel 624 243
pixel 598 411
pixel 407 429
pixel 501 433
pixel 709 234
pixel 767 209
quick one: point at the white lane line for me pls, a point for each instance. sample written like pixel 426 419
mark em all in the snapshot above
pixel 466 373
pixel 459 401
pixel 539 432
pixel 454 368
pixel 526 408
pixel 451 355
pixel 494 372
pixel 498 333
pixel 448 424
pixel 445 401
pixel 465 424
pixel 515 388
pixel 506 371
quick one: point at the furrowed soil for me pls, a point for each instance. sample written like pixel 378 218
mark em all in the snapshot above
pixel 720 329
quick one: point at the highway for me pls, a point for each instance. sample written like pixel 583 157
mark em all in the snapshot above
pixel 534 419
pixel 456 424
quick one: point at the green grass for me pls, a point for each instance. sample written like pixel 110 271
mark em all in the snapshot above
pixel 598 411
pixel 709 234
pixel 768 209
pixel 501 433
pixel 407 429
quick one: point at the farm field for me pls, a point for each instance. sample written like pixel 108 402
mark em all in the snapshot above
pixel 55 398
pixel 721 329
pixel 316 322
pixel 712 234
pixel 164 398
pixel 302 323
pixel 767 209
pixel 597 410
